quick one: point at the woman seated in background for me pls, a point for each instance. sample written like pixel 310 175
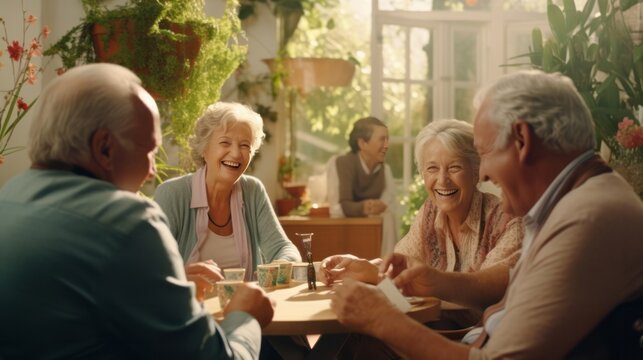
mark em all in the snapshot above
pixel 458 228
pixel 220 217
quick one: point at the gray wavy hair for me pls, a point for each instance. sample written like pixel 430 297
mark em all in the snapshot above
pixel 76 104
pixel 548 102
pixel 455 135
pixel 218 116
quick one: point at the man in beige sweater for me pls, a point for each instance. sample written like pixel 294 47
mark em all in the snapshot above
pixel 581 252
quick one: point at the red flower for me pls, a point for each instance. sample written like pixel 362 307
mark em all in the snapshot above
pixel 22 105
pixel 629 134
pixel 45 31
pixel 31 19
pixel 15 51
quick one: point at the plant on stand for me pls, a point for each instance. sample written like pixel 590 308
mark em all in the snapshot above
pixel 21 52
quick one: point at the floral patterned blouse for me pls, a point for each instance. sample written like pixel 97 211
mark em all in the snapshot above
pixel 487 237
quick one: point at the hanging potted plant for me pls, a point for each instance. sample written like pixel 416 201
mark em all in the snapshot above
pixel 182 55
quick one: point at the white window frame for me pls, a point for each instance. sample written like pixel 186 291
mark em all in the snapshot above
pixel 494 24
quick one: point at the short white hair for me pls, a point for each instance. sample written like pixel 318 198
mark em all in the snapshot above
pixel 549 103
pixel 219 116
pixel 76 104
pixel 455 135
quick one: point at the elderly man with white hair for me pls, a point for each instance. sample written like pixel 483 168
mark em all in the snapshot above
pixel 89 269
pixel 577 288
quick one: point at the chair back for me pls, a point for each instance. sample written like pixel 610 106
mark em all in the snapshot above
pixel 618 336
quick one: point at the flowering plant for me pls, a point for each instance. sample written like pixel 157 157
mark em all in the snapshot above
pixel 630 138
pixel 23 71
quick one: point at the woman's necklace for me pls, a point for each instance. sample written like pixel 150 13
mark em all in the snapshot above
pixel 217 225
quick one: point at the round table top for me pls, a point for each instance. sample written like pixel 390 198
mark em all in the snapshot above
pixel 301 311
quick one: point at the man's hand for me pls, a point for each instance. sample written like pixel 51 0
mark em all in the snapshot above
pixel 250 298
pixel 410 275
pixel 363 307
pixel 419 280
pixel 340 267
pixel 395 263
pixel 204 274
pixel 374 206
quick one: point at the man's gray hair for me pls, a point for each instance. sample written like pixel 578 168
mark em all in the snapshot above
pixel 455 135
pixel 76 104
pixel 218 116
pixel 549 103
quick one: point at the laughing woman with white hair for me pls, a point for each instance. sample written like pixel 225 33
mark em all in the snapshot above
pixel 220 217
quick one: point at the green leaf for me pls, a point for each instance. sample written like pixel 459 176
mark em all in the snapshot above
pixel 246 11
pixel 626 4
pixel 638 53
pixel 537 39
pixel 548 57
pixel 571 15
pixel 602 7
pixel 587 11
pixel 557 22
pixel 330 25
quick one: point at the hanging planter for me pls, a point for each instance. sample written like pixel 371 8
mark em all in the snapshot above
pixel 158 64
pixel 306 74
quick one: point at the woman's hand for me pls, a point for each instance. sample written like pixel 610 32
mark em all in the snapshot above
pixel 204 274
pixel 340 267
pixel 374 207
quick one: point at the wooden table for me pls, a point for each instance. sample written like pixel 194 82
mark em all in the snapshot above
pixel 358 236
pixel 300 311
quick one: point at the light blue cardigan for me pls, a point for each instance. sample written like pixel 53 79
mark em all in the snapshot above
pixel 268 240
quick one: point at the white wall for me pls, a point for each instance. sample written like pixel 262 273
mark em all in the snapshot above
pixel 62 15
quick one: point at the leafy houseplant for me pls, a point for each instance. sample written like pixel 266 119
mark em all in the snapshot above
pixel 24 72
pixel 182 55
pixel 598 54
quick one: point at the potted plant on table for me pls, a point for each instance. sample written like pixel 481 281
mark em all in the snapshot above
pixel 600 56
pixel 182 55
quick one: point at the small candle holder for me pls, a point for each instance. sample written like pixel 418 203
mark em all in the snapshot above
pixel 307 240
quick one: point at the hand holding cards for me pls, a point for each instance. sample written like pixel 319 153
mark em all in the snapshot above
pixel 394 295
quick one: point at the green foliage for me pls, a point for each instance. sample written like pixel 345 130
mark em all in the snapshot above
pixel 413 201
pixel 597 53
pixel 154 30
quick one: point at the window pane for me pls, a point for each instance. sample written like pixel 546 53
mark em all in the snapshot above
pixel 421 107
pixel 464 55
pixel 393 105
pixel 464 104
pixel 394 51
pixel 428 5
pixel 415 5
pixel 421 53
pixel 536 5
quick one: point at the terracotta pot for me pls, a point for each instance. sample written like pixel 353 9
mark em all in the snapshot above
pixel 109 47
pixel 296 191
pixel 284 206
pixel 306 74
